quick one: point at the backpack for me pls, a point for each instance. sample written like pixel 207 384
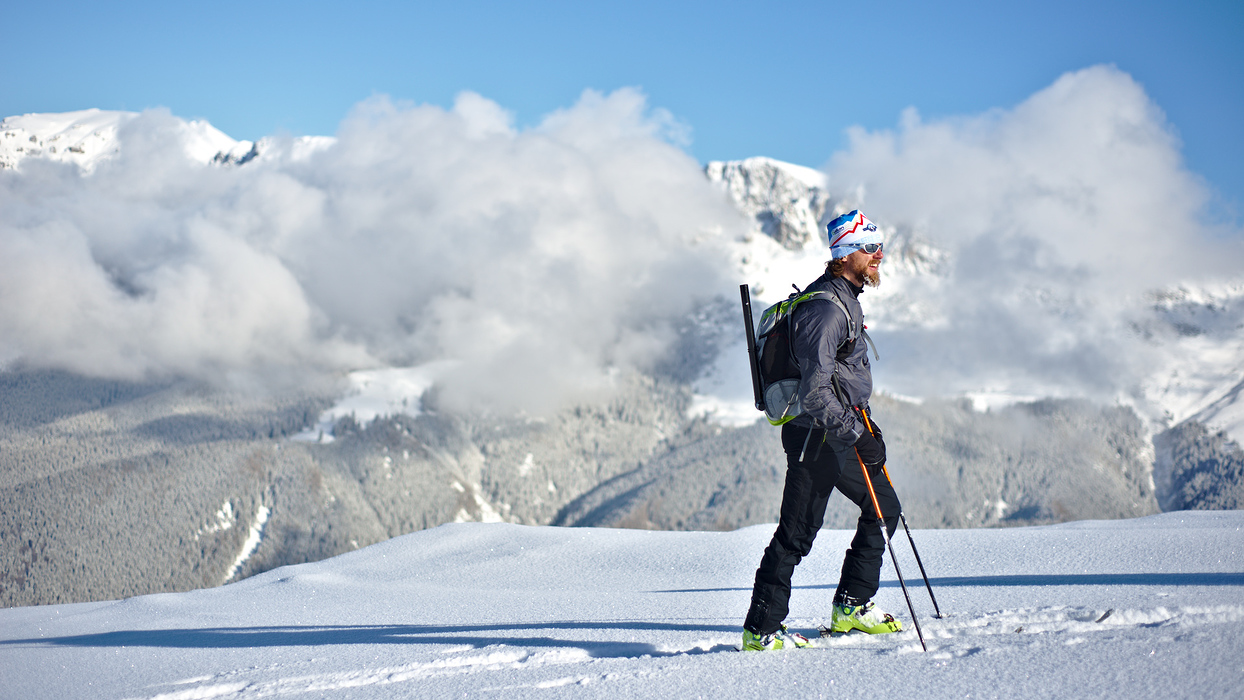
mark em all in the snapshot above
pixel 775 370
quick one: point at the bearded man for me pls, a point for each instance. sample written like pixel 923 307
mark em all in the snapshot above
pixel 825 446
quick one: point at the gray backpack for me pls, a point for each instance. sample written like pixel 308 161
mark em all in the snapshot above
pixel 775 372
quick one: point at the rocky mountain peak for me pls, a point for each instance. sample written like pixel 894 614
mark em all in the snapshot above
pixel 790 203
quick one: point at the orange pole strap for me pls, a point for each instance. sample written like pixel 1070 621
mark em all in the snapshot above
pixel 868 424
pixel 871 492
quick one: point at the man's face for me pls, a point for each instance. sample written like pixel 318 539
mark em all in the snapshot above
pixel 865 268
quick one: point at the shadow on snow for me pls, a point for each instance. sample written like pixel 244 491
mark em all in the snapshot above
pixel 1214 579
pixel 322 635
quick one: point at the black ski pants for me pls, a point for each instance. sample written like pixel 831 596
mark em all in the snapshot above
pixel 809 484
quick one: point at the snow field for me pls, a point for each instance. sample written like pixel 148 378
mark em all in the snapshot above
pixel 1133 608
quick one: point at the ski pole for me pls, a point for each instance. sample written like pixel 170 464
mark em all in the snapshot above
pixel 938 611
pixel 890 545
pixel 903 518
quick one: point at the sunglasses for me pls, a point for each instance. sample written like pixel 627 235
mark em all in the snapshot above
pixel 870 248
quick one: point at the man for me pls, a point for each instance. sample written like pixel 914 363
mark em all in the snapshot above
pixel 825 446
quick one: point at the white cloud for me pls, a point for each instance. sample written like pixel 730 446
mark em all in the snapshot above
pixel 538 257
pixel 1058 213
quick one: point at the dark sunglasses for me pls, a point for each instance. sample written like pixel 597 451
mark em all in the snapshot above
pixel 870 248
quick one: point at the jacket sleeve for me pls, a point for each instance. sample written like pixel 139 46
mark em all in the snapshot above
pixel 819 328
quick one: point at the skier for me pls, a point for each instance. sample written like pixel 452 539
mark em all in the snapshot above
pixel 821 448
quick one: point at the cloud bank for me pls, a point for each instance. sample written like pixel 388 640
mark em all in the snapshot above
pixel 539 258
pixel 1058 216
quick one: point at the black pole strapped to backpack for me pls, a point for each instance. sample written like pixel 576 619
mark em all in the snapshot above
pixel 749 330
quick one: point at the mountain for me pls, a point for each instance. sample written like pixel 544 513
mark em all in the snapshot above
pixel 1189 399
pixel 788 203
pixel 1197 330
pixel 88 137
pixel 170 483
pixel 791 205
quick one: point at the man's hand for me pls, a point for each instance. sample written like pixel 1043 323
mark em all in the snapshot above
pixel 870 449
pixel 877 433
pixel 867 417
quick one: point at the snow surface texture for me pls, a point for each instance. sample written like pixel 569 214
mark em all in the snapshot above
pixel 1144 608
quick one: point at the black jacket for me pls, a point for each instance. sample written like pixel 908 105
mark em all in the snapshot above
pixel 820 327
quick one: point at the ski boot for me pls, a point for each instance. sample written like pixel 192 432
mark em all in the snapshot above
pixel 780 639
pixel 866 618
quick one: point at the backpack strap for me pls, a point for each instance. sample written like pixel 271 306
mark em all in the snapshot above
pixel 852 332
pixel 868 339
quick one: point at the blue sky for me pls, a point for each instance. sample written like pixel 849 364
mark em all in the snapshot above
pixel 782 79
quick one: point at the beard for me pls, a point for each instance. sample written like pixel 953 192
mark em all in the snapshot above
pixel 871 276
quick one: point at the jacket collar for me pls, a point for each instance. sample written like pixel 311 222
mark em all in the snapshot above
pixel 844 283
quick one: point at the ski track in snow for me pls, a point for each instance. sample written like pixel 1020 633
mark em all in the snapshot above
pixel 1133 608
pixel 957 636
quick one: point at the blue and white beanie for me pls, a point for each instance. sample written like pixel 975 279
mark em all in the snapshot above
pixel 849 231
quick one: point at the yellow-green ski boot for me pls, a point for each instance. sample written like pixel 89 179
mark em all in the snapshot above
pixel 865 618
pixel 781 639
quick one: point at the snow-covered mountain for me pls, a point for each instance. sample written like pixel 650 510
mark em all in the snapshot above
pixel 788 205
pixel 1197 330
pixel 260 481
pixel 88 137
pixel 788 202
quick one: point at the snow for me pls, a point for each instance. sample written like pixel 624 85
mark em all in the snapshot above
pixel 808 176
pixel 1131 608
pixel 89 136
pixel 84 137
pixel 252 541
pixel 377 393
pixel 225 520
pixel 1208 390
pixel 985 401
pixel 724 392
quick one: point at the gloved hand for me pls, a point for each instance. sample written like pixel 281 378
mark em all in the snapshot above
pixel 877 432
pixel 870 449
pixel 866 417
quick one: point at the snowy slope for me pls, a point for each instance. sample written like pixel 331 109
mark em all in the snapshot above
pixel 1206 323
pixel 1121 609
